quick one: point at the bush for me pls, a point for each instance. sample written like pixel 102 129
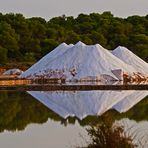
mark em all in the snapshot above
pixel 29 57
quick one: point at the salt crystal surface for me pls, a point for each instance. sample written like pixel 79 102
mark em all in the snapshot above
pixel 130 58
pixel 78 62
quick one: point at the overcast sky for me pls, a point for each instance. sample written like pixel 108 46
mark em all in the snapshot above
pixel 52 8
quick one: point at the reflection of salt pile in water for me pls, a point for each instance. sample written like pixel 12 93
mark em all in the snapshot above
pixel 84 103
pixel 80 62
pixel 130 58
pixel 130 100
pixel 138 131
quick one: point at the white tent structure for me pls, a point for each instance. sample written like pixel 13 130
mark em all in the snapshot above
pixel 80 62
pixel 130 58
pixel 84 103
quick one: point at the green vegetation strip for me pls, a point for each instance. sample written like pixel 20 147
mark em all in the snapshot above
pixel 52 87
pixel 23 41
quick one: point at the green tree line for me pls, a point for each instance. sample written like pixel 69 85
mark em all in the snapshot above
pixel 28 39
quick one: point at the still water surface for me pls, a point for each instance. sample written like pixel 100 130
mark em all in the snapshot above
pixel 59 119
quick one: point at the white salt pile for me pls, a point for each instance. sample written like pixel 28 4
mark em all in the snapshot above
pixel 79 62
pixel 14 71
pixel 130 58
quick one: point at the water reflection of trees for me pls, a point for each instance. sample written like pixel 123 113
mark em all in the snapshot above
pixel 105 135
pixel 18 109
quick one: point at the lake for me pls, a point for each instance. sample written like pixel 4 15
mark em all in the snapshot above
pixel 61 119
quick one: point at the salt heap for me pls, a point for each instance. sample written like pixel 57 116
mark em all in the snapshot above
pixel 79 62
pixel 14 71
pixel 130 58
pixel 81 104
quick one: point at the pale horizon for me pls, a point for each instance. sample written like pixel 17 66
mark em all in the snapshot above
pixel 53 8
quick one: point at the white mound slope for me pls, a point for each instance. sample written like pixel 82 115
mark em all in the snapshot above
pixel 130 58
pixel 80 62
pixel 84 103
pixel 37 67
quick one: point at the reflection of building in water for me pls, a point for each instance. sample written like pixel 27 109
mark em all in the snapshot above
pixel 84 103
pixel 138 131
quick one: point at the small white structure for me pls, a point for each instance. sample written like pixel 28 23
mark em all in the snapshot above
pixel 13 72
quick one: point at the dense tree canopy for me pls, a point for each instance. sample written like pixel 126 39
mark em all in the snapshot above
pixel 28 39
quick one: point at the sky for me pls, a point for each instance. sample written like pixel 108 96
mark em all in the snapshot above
pixel 52 8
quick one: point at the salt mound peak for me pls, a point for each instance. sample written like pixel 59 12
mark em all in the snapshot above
pixel 130 58
pixel 122 48
pixel 99 46
pixel 80 44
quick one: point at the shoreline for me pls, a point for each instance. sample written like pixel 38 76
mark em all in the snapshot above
pixel 63 87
